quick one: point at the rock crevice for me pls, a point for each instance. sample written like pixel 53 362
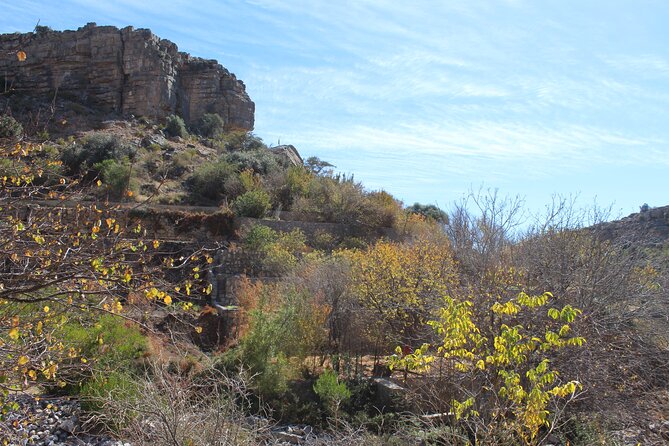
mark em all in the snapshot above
pixel 129 71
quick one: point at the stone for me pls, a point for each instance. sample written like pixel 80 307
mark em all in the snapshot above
pixel 387 391
pixel 287 437
pixel 288 152
pixel 68 425
pixel 128 71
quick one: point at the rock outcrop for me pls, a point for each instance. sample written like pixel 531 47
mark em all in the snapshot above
pixel 129 71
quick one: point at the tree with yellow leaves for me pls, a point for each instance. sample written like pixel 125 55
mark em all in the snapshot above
pixel 502 375
pixel 399 285
pixel 60 258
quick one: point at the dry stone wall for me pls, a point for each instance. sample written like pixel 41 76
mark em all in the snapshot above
pixel 129 71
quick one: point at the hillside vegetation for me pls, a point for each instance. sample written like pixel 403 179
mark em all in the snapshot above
pixel 377 324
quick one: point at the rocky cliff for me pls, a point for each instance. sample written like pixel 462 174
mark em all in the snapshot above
pixel 129 71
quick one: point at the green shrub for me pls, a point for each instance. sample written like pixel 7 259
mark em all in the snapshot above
pixel 211 125
pixel 115 176
pixel 429 211
pixel 105 386
pixel 254 203
pixel 96 148
pixel 207 184
pixel 10 127
pixel 335 199
pixel 110 347
pixel 241 141
pixel 259 237
pixel 285 326
pixel 278 260
pixel 111 341
pixel 260 161
pixel 380 211
pixel 181 163
pixel 331 392
pixel 175 126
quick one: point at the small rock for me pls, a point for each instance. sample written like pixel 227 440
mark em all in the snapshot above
pixel 68 425
pixel 288 437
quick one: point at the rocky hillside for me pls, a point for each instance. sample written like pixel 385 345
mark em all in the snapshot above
pixel 129 71
pixel 649 228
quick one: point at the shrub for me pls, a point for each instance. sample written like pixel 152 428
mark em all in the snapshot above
pixel 211 125
pixel 429 211
pixel 195 409
pixel 278 249
pixel 175 126
pixel 10 127
pixel 96 148
pixel 207 183
pixel 331 392
pixel 298 180
pixel 110 341
pixel 117 385
pixel 522 391
pixel 259 237
pixel 254 203
pixel 334 199
pixel 260 161
pixel 115 176
pixel 381 210
pixel 284 326
pixel 242 141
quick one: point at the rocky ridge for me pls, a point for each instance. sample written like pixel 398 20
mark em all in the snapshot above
pixel 648 228
pixel 128 71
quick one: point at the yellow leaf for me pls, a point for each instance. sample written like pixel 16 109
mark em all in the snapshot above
pixel 99 183
pixel 167 299
pixel 14 333
pixel 32 374
pixel 46 308
pixel 198 329
pixel 156 244
pixel 23 360
pixel 21 56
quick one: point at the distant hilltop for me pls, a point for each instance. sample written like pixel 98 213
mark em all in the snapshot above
pixel 128 71
pixel 649 227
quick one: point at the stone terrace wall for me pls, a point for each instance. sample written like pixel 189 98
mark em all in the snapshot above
pixel 129 71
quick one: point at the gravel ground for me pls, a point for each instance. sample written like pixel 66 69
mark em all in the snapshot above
pixel 47 422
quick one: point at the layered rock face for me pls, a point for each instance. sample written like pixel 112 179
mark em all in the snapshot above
pixel 129 71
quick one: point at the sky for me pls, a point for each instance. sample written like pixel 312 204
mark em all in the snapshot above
pixel 428 99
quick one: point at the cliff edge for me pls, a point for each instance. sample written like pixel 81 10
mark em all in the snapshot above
pixel 129 71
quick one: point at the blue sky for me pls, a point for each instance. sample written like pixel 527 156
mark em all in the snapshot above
pixel 427 99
